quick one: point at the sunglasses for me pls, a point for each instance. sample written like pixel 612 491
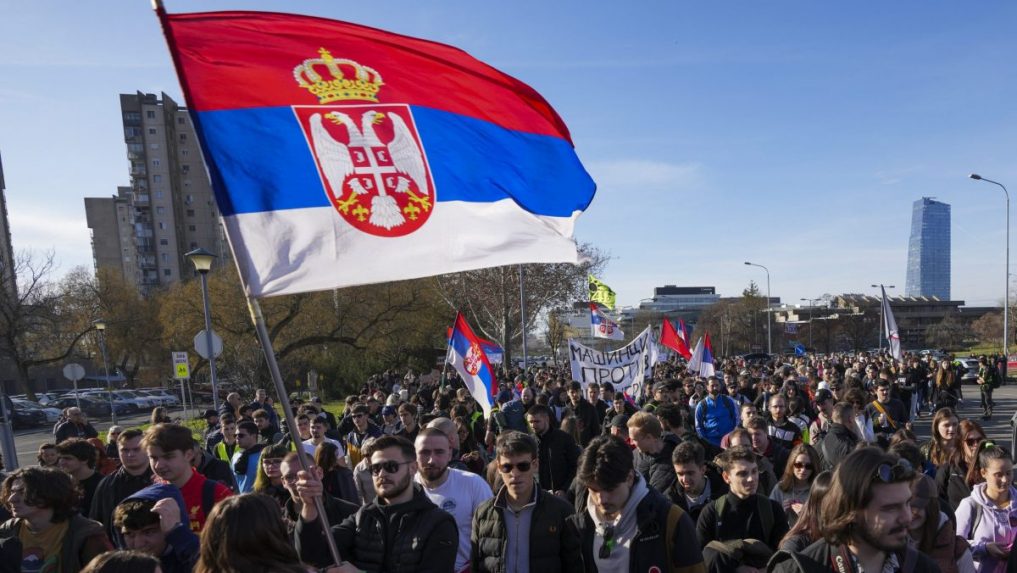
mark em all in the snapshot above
pixel 605 549
pixel 892 473
pixel 802 466
pixel 390 467
pixel 973 441
pixel 521 466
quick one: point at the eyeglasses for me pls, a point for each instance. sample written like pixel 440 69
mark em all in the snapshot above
pixel 390 467
pixel 888 473
pixel 802 466
pixel 605 549
pixel 271 462
pixel 521 466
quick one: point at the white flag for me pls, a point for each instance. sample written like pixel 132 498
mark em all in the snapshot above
pixel 696 362
pixel 890 327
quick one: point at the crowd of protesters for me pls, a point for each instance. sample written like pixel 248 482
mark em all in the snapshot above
pixel 799 464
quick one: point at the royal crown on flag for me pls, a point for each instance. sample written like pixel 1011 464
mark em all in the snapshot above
pixel 333 79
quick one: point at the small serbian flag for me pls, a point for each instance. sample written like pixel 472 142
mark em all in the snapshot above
pixel 466 354
pixel 602 326
pixel 706 368
pixel 344 155
pixel 683 331
pixel 673 340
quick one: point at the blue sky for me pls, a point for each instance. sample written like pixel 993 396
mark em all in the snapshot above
pixel 792 134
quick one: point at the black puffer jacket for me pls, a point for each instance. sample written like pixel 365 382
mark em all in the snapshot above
pixel 559 459
pixel 553 543
pixel 838 443
pixel 412 536
pixel 657 468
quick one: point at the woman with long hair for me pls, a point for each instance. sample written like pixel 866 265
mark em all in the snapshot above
pixel 246 534
pixel 806 529
pixel 946 388
pixel 337 479
pixel 792 491
pixel 945 438
pixel 933 533
pixel 269 481
pixel 159 416
pixel 987 517
pixel 955 479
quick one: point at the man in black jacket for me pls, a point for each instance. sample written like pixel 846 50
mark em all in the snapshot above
pixel 741 514
pixel 213 468
pixel 558 452
pixel 653 450
pixel 626 525
pixel 134 475
pixel 697 483
pixel 76 426
pixel 523 527
pixel 337 510
pixel 401 531
pixel 865 521
pixel 840 440
pixel 586 414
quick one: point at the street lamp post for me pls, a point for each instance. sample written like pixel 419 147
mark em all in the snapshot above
pixel 100 327
pixel 882 318
pixel 769 320
pixel 202 261
pixel 1006 289
pixel 812 301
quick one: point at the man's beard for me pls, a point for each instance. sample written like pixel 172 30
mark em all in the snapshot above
pixel 398 488
pixel 882 543
pixel 433 473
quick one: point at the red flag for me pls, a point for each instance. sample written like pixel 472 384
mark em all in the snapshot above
pixel 669 338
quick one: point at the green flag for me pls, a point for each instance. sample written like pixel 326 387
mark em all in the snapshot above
pixel 600 292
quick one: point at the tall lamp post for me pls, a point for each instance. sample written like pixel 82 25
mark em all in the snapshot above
pixel 812 301
pixel 202 261
pixel 1006 289
pixel 100 327
pixel 882 318
pixel 769 320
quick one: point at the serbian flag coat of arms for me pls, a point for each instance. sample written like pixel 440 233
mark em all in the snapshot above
pixel 466 354
pixel 344 155
pixel 602 326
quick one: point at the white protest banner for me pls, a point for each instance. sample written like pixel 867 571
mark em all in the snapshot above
pixel 624 367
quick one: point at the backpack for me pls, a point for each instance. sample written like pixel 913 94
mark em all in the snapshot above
pixel 994 380
pixel 208 496
pixel 512 416
pixel 728 402
pixel 674 514
pixel 763 509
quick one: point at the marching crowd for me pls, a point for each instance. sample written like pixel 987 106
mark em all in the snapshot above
pixel 801 466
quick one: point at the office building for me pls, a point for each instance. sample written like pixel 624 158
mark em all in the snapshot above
pixel 929 250
pixel 145 229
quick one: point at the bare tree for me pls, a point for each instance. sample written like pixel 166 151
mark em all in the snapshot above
pixel 489 298
pixel 38 322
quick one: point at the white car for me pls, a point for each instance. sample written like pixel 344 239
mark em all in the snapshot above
pixel 161 396
pixel 143 402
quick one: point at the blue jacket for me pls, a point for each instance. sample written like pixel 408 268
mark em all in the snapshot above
pixel 182 545
pixel 245 479
pixel 716 417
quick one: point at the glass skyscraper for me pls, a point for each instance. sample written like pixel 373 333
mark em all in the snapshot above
pixel 929 250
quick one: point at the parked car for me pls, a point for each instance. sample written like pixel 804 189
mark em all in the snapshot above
pixel 22 417
pixel 143 402
pixel 161 397
pixel 130 405
pixel 51 414
pixel 970 375
pixel 91 406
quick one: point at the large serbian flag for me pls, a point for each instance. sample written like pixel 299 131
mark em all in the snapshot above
pixel 466 354
pixel 344 155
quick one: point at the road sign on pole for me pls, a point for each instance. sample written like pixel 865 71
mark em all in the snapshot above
pixel 75 372
pixel 201 344
pixel 181 368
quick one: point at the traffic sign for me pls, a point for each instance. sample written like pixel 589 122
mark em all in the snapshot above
pixel 181 368
pixel 201 344
pixel 74 372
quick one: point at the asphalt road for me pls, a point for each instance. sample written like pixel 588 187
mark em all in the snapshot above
pixel 27 441
pixel 998 428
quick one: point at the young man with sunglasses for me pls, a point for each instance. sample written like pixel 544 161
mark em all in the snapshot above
pixel 866 515
pixel 458 492
pixel 626 525
pixel 523 528
pixel 400 531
